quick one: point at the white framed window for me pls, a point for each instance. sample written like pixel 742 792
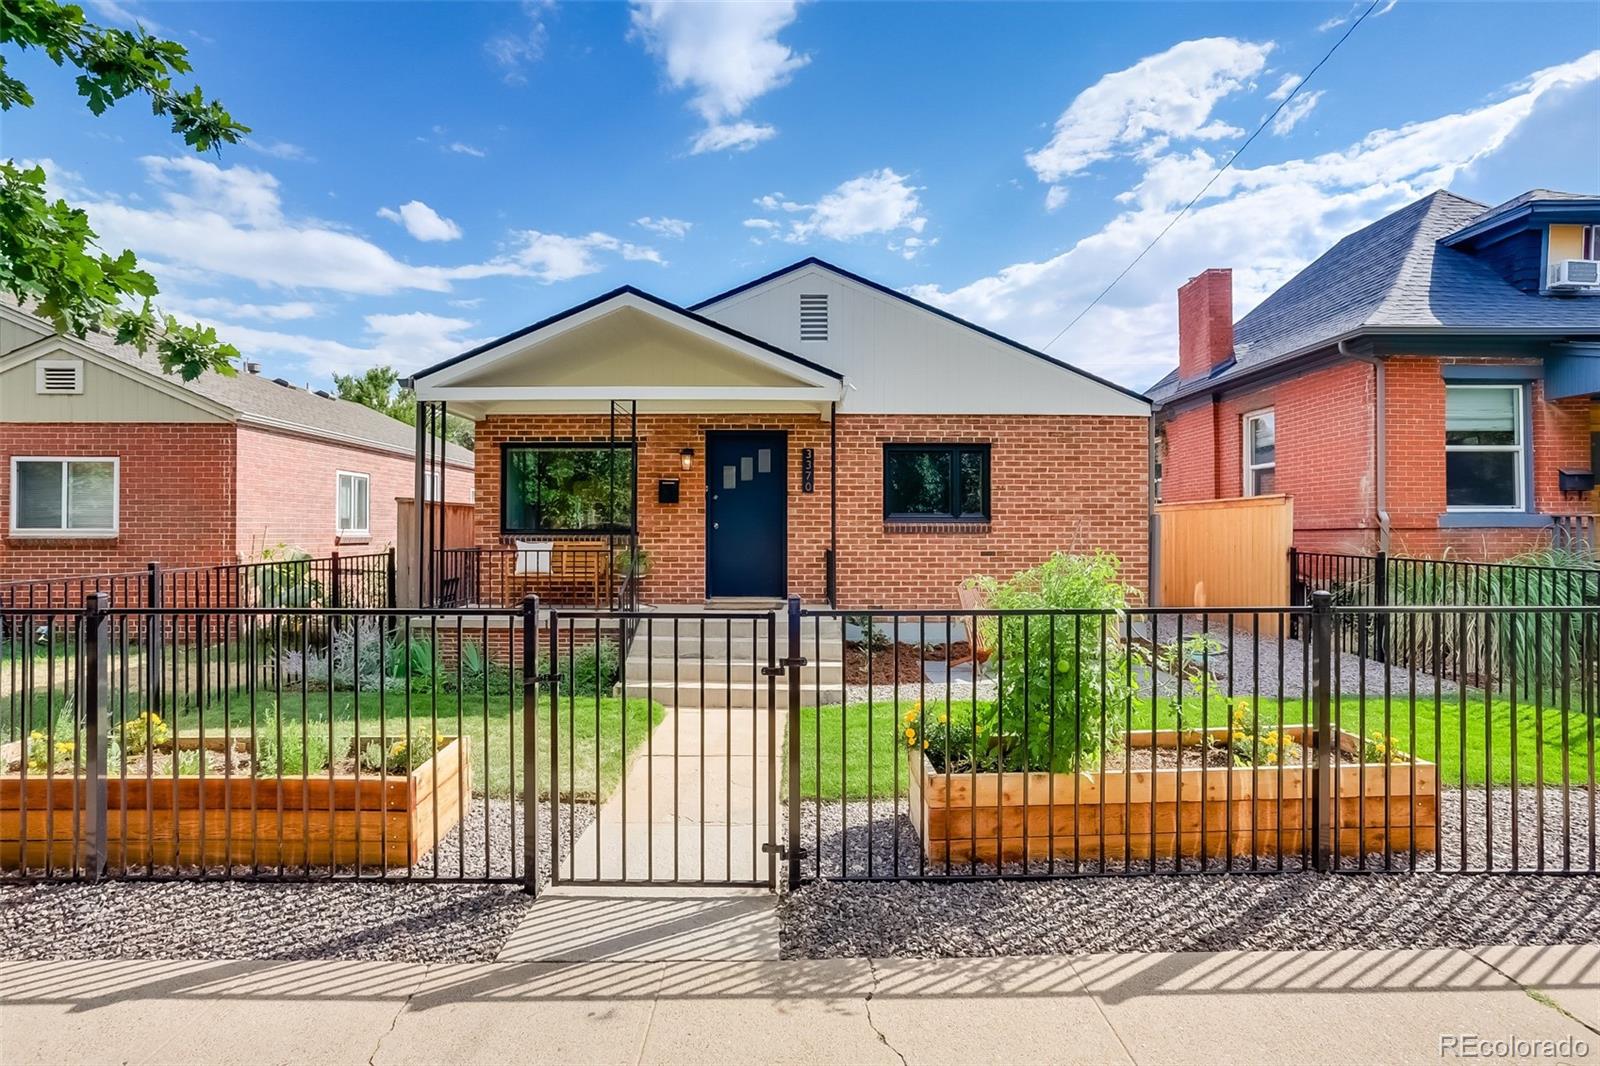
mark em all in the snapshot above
pixel 355 500
pixel 1591 242
pixel 1260 453
pixel 1485 467
pixel 73 496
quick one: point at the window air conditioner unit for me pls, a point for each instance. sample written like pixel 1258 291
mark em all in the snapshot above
pixel 1575 274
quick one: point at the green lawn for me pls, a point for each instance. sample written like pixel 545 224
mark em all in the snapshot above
pixel 494 730
pixel 853 768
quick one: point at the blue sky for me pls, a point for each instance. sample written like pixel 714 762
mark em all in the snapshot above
pixel 426 176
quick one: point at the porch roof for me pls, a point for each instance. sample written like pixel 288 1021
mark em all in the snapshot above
pixel 631 346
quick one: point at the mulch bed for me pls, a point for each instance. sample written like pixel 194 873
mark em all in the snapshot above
pixel 897 664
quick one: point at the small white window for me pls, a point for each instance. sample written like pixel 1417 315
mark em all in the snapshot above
pixel 64 496
pixel 1260 453
pixel 1483 448
pixel 1591 242
pixel 354 501
pixel 430 485
pixel 58 377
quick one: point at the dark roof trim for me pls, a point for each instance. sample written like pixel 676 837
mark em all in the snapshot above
pixel 628 290
pixel 914 302
pixel 1547 211
pixel 1200 386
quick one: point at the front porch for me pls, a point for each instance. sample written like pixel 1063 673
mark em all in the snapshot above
pixel 629 452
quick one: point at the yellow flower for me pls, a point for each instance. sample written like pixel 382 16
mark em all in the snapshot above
pixel 911 734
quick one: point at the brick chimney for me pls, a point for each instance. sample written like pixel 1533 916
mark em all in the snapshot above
pixel 1205 323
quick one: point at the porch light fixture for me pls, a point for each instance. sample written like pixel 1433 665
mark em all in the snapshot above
pixel 686 458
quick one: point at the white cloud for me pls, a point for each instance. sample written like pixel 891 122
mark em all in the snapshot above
pixel 422 221
pixel 1162 97
pixel 290 311
pixel 461 148
pixel 279 150
pixel 727 54
pixel 406 342
pixel 676 228
pixel 731 137
pixel 550 257
pixel 123 14
pixel 1055 197
pixel 1294 111
pixel 1266 223
pixel 876 203
pixel 220 222
pixel 515 50
pixel 1285 87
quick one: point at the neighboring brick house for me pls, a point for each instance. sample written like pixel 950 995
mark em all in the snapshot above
pixel 1427 385
pixel 108 464
pixel 810 433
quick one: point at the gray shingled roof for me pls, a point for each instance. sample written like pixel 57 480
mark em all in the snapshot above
pixel 1393 274
pixel 252 396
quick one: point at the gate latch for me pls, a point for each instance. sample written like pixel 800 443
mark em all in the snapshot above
pixel 547 679
pixel 782 851
pixel 783 666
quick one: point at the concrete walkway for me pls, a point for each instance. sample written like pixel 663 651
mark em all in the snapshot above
pixel 1253 1007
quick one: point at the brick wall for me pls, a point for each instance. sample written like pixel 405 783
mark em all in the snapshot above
pixel 288 485
pixel 1067 483
pixel 1416 477
pixel 1326 430
pixel 176 497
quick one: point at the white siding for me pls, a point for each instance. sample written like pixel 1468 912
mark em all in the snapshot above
pixel 107 397
pixel 901 359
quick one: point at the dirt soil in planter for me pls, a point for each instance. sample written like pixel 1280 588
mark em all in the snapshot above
pixel 898 664
pixel 1216 757
pixel 159 764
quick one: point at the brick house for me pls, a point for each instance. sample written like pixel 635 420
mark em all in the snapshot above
pixel 1429 384
pixel 809 433
pixel 109 464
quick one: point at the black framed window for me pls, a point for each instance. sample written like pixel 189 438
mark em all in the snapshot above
pixel 936 482
pixel 566 488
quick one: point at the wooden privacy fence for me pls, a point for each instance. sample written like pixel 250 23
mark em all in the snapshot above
pixel 457 534
pixel 1218 554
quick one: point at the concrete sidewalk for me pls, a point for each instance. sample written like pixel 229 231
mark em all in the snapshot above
pixel 1248 1007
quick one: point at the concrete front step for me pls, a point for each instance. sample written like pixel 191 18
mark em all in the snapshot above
pixel 736 695
pixel 690 668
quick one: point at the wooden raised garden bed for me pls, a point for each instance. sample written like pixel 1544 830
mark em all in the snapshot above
pixel 1264 808
pixel 339 820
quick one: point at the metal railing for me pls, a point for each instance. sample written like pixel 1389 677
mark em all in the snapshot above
pixel 335 580
pixel 283 744
pixel 580 574
pixel 747 748
pixel 1029 744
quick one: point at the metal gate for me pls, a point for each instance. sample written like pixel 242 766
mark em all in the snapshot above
pixel 673 779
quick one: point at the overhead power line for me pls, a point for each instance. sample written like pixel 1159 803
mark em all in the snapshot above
pixel 1220 171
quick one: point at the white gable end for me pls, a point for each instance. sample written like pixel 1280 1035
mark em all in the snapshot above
pixel 898 358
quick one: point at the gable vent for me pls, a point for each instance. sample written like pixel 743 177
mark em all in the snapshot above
pixel 58 377
pixel 814 316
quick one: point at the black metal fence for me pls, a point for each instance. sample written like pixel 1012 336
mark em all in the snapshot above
pixel 983 744
pixel 303 743
pixel 358 581
pixel 748 748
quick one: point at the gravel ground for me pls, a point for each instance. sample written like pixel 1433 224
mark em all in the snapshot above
pixel 1239 659
pixel 421 922
pixel 1292 909
pixel 1193 913
pixel 1240 652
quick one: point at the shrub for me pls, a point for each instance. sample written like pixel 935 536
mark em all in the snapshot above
pixel 144 731
pixel 402 755
pixel 1057 664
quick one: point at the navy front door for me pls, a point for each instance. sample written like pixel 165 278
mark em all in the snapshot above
pixel 747 514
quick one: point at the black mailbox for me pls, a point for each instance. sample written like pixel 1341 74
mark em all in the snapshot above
pixel 1577 481
pixel 667 490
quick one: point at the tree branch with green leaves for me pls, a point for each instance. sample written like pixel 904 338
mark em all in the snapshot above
pixel 49 255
